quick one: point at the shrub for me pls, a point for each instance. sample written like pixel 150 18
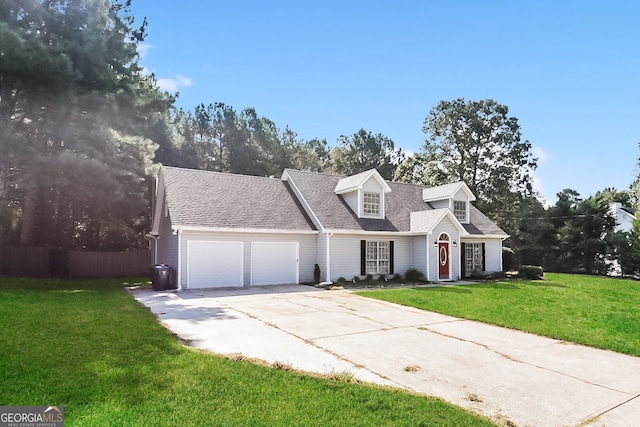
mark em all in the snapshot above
pixel 481 275
pixel 341 279
pixel 477 275
pixel 496 275
pixel 533 272
pixel 382 278
pixel 356 279
pixel 316 273
pixel 397 277
pixel 368 278
pixel 414 275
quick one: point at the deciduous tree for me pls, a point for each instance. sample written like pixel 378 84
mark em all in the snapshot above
pixel 479 143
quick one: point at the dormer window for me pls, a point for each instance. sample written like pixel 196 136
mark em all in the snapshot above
pixel 371 204
pixel 460 210
pixel 364 193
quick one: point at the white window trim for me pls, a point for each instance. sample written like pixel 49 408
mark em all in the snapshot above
pixel 466 210
pixel 379 244
pixel 363 214
pixel 476 257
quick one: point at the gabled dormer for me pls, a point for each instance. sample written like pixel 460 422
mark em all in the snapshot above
pixel 364 193
pixel 456 197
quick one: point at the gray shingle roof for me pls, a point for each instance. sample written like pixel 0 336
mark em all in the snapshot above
pixel 222 200
pixel 334 213
pixel 480 224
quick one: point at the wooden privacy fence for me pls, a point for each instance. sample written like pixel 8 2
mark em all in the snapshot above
pixel 32 261
pixel 108 264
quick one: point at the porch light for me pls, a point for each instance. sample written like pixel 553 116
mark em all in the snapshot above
pixel 435 243
pixel 455 244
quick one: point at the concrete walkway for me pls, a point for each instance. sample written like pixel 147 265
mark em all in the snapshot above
pixel 506 375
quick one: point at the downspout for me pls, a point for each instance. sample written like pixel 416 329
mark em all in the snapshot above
pixel 329 256
pixel 153 238
pixel 460 260
pixel 428 242
pixel 179 269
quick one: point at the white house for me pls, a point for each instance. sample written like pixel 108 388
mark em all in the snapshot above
pixel 624 216
pixel 219 229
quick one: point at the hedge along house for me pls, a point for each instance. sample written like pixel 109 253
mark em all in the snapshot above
pixel 219 229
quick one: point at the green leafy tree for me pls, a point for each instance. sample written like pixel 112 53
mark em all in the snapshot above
pixel 312 155
pixel 611 195
pixel 479 143
pixel 625 251
pixel 216 137
pixel 535 240
pixel 73 108
pixel 583 245
pixel 415 170
pixel 363 151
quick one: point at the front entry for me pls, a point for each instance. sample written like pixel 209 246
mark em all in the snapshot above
pixel 443 257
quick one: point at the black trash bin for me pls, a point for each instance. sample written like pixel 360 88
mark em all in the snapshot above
pixel 160 276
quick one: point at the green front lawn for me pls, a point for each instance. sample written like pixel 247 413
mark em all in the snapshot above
pixel 87 345
pixel 595 311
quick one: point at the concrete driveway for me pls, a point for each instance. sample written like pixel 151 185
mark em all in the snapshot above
pixel 506 375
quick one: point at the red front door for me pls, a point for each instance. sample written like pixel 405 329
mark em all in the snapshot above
pixel 443 260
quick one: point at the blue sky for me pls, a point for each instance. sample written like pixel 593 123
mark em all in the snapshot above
pixel 568 70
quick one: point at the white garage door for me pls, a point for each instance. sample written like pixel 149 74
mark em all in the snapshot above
pixel 274 263
pixel 214 264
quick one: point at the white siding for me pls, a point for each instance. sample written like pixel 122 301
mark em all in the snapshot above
pixel 445 226
pixel 403 254
pixel 372 186
pixel 493 255
pixel 321 255
pixel 167 243
pixel 307 249
pixel 419 255
pixel 352 200
pixel 461 196
pixel 345 254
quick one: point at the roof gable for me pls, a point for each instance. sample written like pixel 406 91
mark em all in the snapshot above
pixel 426 221
pixel 447 191
pixel 356 182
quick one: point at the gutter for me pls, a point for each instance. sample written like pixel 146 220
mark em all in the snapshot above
pixel 177 228
pixel 329 256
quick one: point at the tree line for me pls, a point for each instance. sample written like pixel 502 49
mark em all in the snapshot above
pixel 83 130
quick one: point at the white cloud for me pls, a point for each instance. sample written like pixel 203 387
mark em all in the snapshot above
pixel 143 48
pixel 174 84
pixel 540 154
pixel 544 198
